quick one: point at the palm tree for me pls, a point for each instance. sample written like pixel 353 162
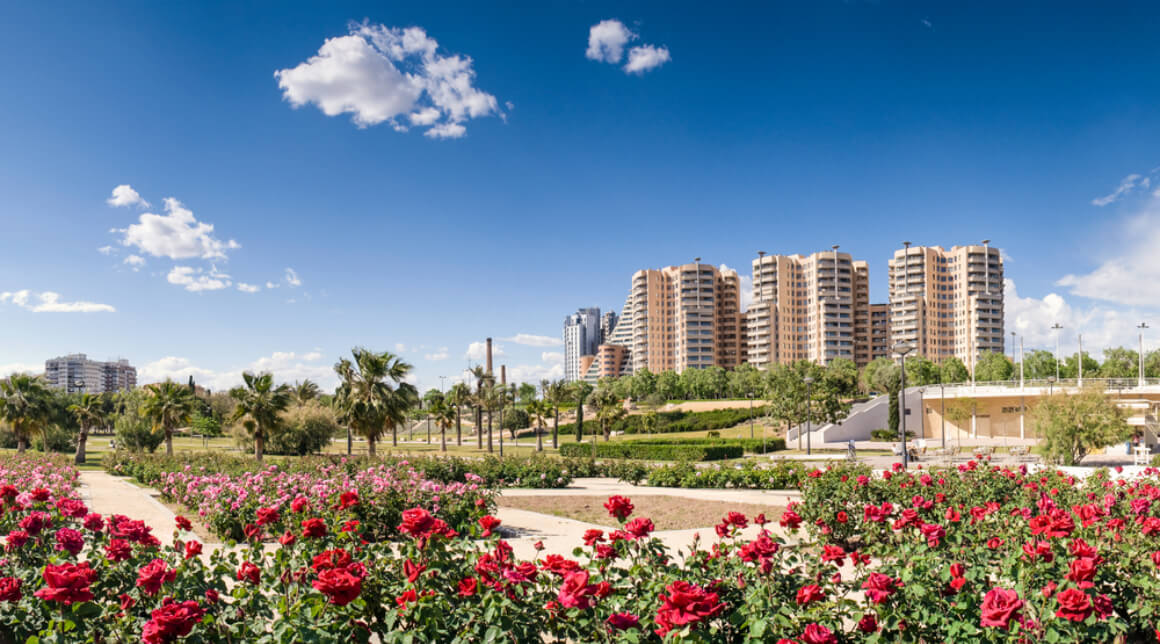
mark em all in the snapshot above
pixel 480 374
pixel 305 391
pixel 609 409
pixel 538 409
pixel 259 406
pixel 489 397
pixel 444 415
pixel 374 395
pixel 168 406
pixel 580 391
pixel 458 396
pixel 557 393
pixel 24 404
pixel 89 412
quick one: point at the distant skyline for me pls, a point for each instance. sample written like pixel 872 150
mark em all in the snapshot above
pixel 205 188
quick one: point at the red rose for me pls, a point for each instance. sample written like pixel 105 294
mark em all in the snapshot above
pixel 999 607
pixel 10 589
pixel 407 598
pixel 835 554
pixel 640 527
pixel 35 522
pixel 623 621
pixel 183 523
pixel 808 594
pixel 118 550
pixel 1082 571
pixel 576 592
pixel 211 596
pixel 488 523
pixel 69 540
pixel 558 565
pixel 592 536
pixel 287 539
pixel 468 586
pixel 818 634
pixel 299 504
pixel 868 623
pixel 790 519
pixel 192 549
pixel 16 539
pixel 957 570
pixel 418 523
pixel 314 528
pixel 67 583
pixel 340 585
pixel 1103 606
pixel 684 604
pixel 94 522
pixel 266 516
pixel 350 526
pixel 153 574
pixel 619 507
pixel 41 494
pixel 249 572
pixel 329 559
pixel 842 516
pixel 72 508
pixel 252 531
pixel 172 621
pixel 1074 604
pixel 880 587
pixel 347 500
pixel 413 570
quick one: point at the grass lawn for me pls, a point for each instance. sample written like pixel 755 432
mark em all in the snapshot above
pixel 666 512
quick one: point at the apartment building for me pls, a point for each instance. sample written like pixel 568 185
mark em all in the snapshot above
pixel 582 334
pixel 812 308
pixel 75 373
pixel 947 303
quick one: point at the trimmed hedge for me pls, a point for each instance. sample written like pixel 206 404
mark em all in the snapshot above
pixel 672 421
pixel 678 451
pixel 750 445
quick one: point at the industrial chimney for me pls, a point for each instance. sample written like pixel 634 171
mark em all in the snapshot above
pixel 489 356
pixel 503 374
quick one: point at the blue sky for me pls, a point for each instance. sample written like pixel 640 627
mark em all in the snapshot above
pixel 499 166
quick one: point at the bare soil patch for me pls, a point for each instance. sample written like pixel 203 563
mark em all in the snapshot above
pixel 666 512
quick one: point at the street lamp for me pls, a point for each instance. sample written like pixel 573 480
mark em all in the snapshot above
pixel 809 415
pixel 902 349
pixel 1050 386
pixel 441 379
pixel 1142 326
pixel 1057 327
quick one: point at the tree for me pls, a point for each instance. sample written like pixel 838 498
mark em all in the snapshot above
pixel 1152 364
pixel 168 407
pixel 580 391
pixel 445 413
pixel 884 375
pixel 960 410
pixel 538 410
pixel 305 391
pixel 644 384
pixel 259 405
pixel 954 371
pixel 993 367
pixel 609 409
pixel 920 371
pixel 480 374
pixel 1070 367
pixel 25 406
pixel 557 394
pixel 1039 365
pixel 1119 363
pixel 526 393
pixel 669 386
pixel 459 395
pixel 1072 426
pixel 89 413
pixel 746 379
pixel 842 376
pixel 373 395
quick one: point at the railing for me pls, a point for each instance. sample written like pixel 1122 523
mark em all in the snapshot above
pixel 1109 384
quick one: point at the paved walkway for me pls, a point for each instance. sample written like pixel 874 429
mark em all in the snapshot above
pixel 108 494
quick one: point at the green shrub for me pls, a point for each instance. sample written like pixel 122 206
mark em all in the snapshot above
pixel 59 439
pixel 133 432
pixel 888 435
pixel 674 451
pixel 671 421
pixel 308 429
pixel 785 475
pixel 515 419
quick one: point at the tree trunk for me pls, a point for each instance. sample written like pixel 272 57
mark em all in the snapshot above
pixel 259 446
pixel 395 435
pixel 479 427
pixel 580 422
pixel 458 428
pixel 443 437
pixel 556 431
pixel 81 439
pixel 21 444
pixel 489 450
pixel 428 429
pixel 539 437
pixel 168 442
pixel 371 446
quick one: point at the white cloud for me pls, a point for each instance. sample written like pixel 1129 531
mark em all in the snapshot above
pixel 531 340
pixel 1127 184
pixel 176 235
pixel 646 57
pixel 606 41
pixel 1132 277
pixel 125 195
pixel 248 288
pixel 135 262
pixel 50 302
pixel 534 373
pixel 287 366
pixel 10 368
pixel 400 347
pixel 272 285
pixel 385 74
pixel 551 357
pixel 292 277
pixel 196 279
pixel 478 351
pixel 106 250
pixel 1101 326
pixel 440 354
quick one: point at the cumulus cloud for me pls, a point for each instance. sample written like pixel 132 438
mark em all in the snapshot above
pixel 134 261
pixel 1101 326
pixel 642 59
pixel 531 340
pixel 197 280
pixel 1132 276
pixel 10 368
pixel 106 250
pixel 50 302
pixel 248 288
pixel 381 74
pixel 125 195
pixel 287 366
pixel 439 354
pixel 606 41
pixel 176 235
pixel 292 277
pixel 534 373
pixel 478 351
pixel 551 357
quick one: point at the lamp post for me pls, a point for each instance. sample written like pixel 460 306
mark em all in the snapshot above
pixel 943 413
pixel 1050 386
pixel 809 413
pixel 902 349
pixel 1012 350
pixel 1057 327
pixel 1142 326
pixel 441 379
